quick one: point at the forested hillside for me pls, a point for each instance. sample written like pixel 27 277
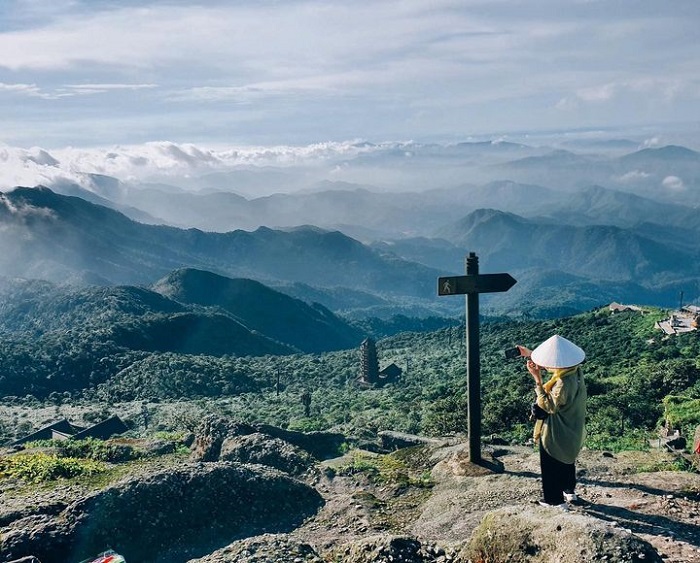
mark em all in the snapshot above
pixel 59 339
pixel 637 379
pixel 308 328
pixel 67 239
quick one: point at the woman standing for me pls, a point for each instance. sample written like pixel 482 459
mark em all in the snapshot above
pixel 560 430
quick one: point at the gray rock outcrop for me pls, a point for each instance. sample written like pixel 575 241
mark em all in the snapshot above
pixel 538 534
pixel 192 509
pixel 264 450
pixel 212 432
pixel 321 445
pixel 266 548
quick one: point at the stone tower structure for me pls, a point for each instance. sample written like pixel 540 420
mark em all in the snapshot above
pixel 369 364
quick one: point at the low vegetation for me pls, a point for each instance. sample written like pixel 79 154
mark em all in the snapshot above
pixel 38 467
pixel 638 380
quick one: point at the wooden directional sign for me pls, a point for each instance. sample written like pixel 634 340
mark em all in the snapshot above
pixel 472 285
pixel 479 283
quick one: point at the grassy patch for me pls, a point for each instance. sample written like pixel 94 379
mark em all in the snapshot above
pixel 385 469
pixel 492 541
pixel 676 464
pixel 683 413
pixel 633 440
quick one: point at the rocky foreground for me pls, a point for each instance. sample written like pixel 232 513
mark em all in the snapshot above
pixel 262 494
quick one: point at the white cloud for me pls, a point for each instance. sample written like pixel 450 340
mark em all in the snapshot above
pixel 31 90
pixel 673 183
pixel 86 89
pixel 29 167
pixel 632 176
pixel 664 89
pixel 24 211
pixel 598 93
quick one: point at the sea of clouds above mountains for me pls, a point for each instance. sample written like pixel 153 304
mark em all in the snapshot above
pixel 392 166
pixel 161 161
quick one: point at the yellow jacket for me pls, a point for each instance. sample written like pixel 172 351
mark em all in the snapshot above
pixel 564 397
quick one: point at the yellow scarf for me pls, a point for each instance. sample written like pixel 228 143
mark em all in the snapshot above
pixel 558 373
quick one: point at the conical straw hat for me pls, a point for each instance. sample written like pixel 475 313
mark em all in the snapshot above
pixel 557 352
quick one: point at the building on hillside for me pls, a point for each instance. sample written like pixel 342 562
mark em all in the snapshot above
pixel 619 308
pixel 694 312
pixel 392 372
pixel 59 430
pixel 679 322
pixel 65 430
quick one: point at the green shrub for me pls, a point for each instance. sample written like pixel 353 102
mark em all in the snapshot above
pixel 90 448
pixel 677 464
pixel 384 469
pixel 171 436
pixel 41 467
pixel 632 440
pixel 682 413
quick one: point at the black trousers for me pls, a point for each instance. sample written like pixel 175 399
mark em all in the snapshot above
pixel 557 477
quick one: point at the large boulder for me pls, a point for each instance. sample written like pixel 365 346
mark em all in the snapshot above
pixel 279 548
pixel 192 509
pixel 264 450
pixel 321 445
pixel 384 549
pixel 540 534
pixel 212 432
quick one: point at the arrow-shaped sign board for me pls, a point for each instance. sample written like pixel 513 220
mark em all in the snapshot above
pixel 478 283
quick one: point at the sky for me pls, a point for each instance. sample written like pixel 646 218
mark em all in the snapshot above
pixel 97 73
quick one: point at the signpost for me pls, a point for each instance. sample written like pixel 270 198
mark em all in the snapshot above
pixel 472 285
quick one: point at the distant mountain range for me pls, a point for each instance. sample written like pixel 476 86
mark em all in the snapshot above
pixel 459 180
pixel 633 233
pixel 60 238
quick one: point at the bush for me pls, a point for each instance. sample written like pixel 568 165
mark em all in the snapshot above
pixel 385 469
pixel 42 467
pixel 91 448
pixel 632 440
pixel 682 413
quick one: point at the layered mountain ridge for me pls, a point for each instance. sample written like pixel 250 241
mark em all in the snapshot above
pixel 367 252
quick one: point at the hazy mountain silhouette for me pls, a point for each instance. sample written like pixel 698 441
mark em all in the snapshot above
pixel 600 252
pixel 333 205
pixel 667 154
pixel 59 238
pixel 557 160
pixel 596 205
pixel 601 214
pixel 310 328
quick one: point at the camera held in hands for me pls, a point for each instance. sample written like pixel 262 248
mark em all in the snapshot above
pixel 511 353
